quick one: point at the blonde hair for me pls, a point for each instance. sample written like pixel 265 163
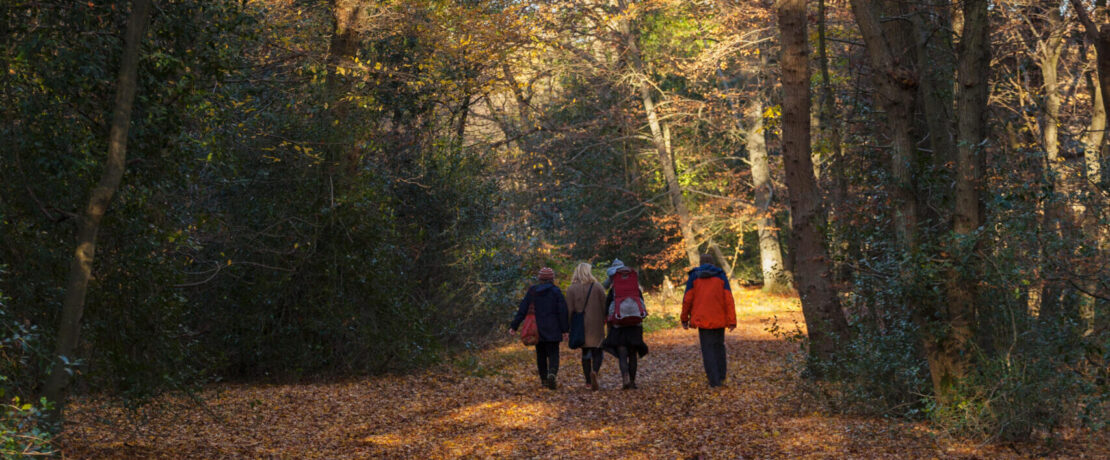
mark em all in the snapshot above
pixel 582 274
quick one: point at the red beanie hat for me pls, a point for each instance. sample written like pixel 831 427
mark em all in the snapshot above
pixel 546 274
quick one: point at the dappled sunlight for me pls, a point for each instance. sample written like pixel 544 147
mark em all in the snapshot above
pixel 504 414
pixel 389 440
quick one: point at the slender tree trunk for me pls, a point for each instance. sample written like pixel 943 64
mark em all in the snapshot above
pixel 825 321
pixel 460 126
pixel 1092 159
pixel 1048 60
pixel 1101 40
pixel 831 138
pixel 674 190
pixel 775 278
pixel 722 261
pixel 1096 134
pixel 80 272
pixel 341 51
pixel 1058 217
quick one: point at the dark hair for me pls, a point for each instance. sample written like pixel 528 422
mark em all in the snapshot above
pixel 706 259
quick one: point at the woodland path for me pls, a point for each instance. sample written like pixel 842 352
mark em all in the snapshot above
pixel 491 405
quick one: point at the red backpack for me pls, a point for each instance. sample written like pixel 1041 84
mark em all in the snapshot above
pixel 628 307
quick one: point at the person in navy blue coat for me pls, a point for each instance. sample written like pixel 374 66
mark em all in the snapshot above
pixel 552 323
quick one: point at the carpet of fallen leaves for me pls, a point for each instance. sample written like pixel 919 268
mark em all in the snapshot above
pixel 491 405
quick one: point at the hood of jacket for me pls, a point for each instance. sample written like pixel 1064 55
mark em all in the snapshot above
pixel 542 288
pixel 617 265
pixel 706 271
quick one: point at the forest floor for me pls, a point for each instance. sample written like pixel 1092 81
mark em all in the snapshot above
pixel 490 404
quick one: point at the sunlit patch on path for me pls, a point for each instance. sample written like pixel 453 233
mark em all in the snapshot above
pixel 453 412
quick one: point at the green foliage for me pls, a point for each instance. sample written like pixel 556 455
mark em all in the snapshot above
pixel 1035 364
pixel 657 322
pixel 237 247
pixel 878 371
pixel 1039 384
pixel 24 429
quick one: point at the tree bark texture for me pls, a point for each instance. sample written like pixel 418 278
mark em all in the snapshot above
pixel 1101 40
pixel 1094 140
pixel 831 137
pixel 1096 134
pixel 80 272
pixel 1059 217
pixel 933 44
pixel 824 319
pixel 341 51
pixel 897 86
pixel 1048 59
pixel 674 190
pixel 770 252
pixel 948 355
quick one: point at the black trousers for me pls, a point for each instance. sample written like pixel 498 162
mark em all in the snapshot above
pixel 591 361
pixel 547 358
pixel 713 355
pixel 627 362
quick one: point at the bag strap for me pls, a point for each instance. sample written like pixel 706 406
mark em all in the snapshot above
pixel 588 292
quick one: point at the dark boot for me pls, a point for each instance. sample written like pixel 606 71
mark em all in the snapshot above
pixel 633 364
pixel 551 381
pixel 587 365
pixel 594 385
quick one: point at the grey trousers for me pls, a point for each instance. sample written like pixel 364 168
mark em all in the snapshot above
pixel 713 355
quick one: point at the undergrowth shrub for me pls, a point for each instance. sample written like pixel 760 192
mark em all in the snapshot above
pixel 1038 349
pixel 23 426
pixel 24 430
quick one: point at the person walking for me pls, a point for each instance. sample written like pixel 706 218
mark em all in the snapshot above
pixel 625 339
pixel 585 295
pixel 708 305
pixel 552 323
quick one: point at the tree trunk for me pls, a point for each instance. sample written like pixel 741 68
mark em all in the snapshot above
pixel 674 190
pixel 1096 134
pixel 1093 147
pixel 897 86
pixel 933 44
pixel 948 356
pixel 1058 216
pixel 1048 60
pixel 825 321
pixel 341 50
pixel 1092 171
pixel 775 278
pixel 832 139
pixel 1101 40
pixel 80 272
pixel 722 261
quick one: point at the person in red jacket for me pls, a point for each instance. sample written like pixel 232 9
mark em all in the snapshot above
pixel 708 306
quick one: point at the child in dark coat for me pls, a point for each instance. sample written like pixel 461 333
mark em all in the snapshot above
pixel 552 323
